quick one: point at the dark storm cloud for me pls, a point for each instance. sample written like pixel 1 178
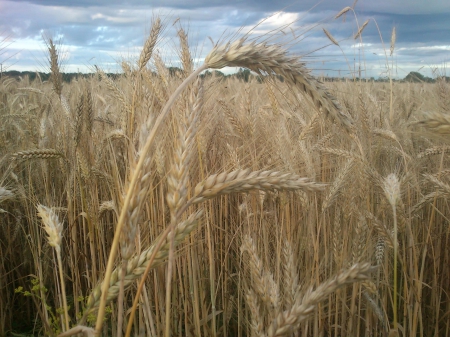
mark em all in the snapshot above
pixel 267 5
pixel 382 6
pixel 428 28
pixel 106 30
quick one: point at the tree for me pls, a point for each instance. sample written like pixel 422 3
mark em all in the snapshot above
pixel 415 76
pixel 243 74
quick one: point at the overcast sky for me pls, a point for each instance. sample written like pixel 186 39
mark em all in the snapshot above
pixel 104 32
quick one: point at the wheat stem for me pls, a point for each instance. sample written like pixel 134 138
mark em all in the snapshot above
pixel 133 182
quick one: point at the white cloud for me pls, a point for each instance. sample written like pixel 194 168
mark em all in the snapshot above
pixel 28 44
pixel 426 48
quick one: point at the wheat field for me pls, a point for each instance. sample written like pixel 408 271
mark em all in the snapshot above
pixel 169 203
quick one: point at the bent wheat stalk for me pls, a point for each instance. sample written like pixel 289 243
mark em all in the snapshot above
pixel 267 59
pixel 259 57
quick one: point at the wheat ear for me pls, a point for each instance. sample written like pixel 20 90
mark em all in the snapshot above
pixel 436 122
pixel 245 180
pixel 434 151
pixel 128 233
pixel 5 194
pixel 290 319
pixel 54 228
pixel 185 55
pixel 257 322
pixel 262 281
pixel 361 29
pixel 150 43
pixel 268 59
pixel 393 39
pixel 178 180
pixel 343 11
pixel 55 76
pixel 37 154
pixel 330 37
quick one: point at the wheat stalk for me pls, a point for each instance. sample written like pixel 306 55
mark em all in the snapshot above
pixel 391 187
pixel 178 179
pixel 137 265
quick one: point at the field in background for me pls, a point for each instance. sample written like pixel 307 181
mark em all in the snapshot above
pixel 256 250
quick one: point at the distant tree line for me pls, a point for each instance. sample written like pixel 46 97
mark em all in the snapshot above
pixel 242 74
pixel 413 76
pixel 33 75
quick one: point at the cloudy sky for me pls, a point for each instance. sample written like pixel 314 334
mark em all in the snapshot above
pixel 104 32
